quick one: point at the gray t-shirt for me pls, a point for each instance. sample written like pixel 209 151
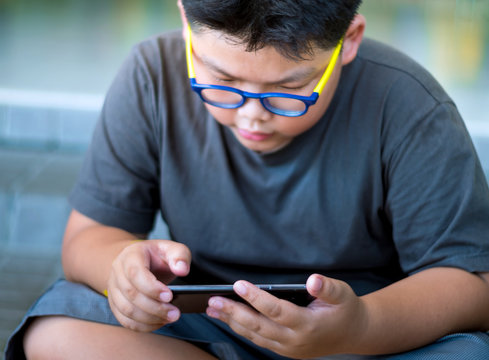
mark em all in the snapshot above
pixel 386 184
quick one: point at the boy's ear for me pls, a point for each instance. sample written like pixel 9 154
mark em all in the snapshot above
pixel 353 38
pixel 184 19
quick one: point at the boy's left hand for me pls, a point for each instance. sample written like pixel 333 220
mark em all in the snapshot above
pixel 332 323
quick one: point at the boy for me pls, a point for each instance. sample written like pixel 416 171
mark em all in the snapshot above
pixel 301 157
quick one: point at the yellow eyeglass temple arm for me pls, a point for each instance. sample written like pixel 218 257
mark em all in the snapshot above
pixel 190 64
pixel 329 69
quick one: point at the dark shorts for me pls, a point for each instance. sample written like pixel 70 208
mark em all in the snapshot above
pixel 78 301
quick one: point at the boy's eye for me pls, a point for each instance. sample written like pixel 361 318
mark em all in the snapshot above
pixel 293 88
pixel 223 80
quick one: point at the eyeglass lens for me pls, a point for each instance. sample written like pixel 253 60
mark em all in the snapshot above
pixel 224 98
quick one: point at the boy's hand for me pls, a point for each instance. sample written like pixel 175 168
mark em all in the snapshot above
pixel 331 324
pixel 136 288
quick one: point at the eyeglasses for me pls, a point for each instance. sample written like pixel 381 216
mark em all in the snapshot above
pixel 283 104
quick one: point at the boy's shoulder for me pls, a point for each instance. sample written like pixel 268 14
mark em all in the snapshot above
pixel 160 50
pixel 391 65
pixel 169 39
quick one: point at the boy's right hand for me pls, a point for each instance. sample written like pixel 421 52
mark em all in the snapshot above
pixel 136 288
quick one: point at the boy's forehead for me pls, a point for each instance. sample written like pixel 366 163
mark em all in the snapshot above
pixel 233 42
pixel 220 52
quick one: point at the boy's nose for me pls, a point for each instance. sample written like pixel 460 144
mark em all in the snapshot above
pixel 253 109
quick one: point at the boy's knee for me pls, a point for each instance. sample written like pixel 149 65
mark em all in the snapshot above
pixel 43 338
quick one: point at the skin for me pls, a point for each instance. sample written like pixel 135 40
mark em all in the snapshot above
pixel 219 61
pixel 338 321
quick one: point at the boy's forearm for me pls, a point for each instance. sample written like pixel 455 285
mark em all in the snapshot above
pixel 87 257
pixel 422 308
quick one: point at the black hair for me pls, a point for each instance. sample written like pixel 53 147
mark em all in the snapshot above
pixel 293 27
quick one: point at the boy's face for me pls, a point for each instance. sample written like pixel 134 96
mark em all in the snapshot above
pixel 219 61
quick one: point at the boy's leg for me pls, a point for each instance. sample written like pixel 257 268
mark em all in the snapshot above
pixel 462 346
pixel 57 337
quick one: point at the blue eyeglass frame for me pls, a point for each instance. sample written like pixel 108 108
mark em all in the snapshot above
pixel 307 100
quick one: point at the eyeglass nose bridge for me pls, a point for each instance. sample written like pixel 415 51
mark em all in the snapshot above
pixel 261 97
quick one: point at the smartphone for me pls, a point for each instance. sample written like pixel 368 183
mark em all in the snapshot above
pixel 194 298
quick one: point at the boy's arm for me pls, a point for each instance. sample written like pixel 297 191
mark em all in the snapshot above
pixel 133 272
pixel 408 314
pixel 424 307
pixel 89 248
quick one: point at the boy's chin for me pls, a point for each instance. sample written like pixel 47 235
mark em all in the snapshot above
pixel 264 147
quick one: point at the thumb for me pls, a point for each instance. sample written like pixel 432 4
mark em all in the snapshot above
pixel 329 290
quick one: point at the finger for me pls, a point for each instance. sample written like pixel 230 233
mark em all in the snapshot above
pixel 246 318
pixel 132 304
pixel 154 316
pixel 280 311
pixel 131 311
pixel 172 254
pixel 135 278
pixel 134 324
pixel 247 322
pixel 127 321
pixel 157 308
pixel 145 291
pixel 257 335
pixel 130 272
pixel 329 290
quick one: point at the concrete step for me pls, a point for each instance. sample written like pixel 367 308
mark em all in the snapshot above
pixel 46 127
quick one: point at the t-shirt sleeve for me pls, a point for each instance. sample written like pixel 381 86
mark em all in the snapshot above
pixel 118 182
pixel 437 196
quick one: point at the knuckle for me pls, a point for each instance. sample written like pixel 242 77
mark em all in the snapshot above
pixel 123 322
pixel 132 326
pixel 132 271
pixel 126 322
pixel 159 311
pixel 296 342
pixel 252 297
pixel 138 327
pixel 255 327
pixel 115 264
pixel 135 325
pixel 309 328
pixel 157 314
pixel 251 335
pixel 131 293
pixel 330 289
pixel 300 341
pixel 276 310
pixel 127 310
pixel 265 343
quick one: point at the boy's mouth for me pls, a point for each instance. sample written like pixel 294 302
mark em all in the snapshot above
pixel 254 135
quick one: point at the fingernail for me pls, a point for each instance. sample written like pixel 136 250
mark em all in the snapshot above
pixel 181 265
pixel 212 313
pixel 315 284
pixel 216 304
pixel 173 315
pixel 240 288
pixel 165 297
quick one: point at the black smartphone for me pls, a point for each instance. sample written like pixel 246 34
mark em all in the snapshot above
pixel 194 298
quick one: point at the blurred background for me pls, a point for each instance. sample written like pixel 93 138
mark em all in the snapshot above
pixel 58 57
